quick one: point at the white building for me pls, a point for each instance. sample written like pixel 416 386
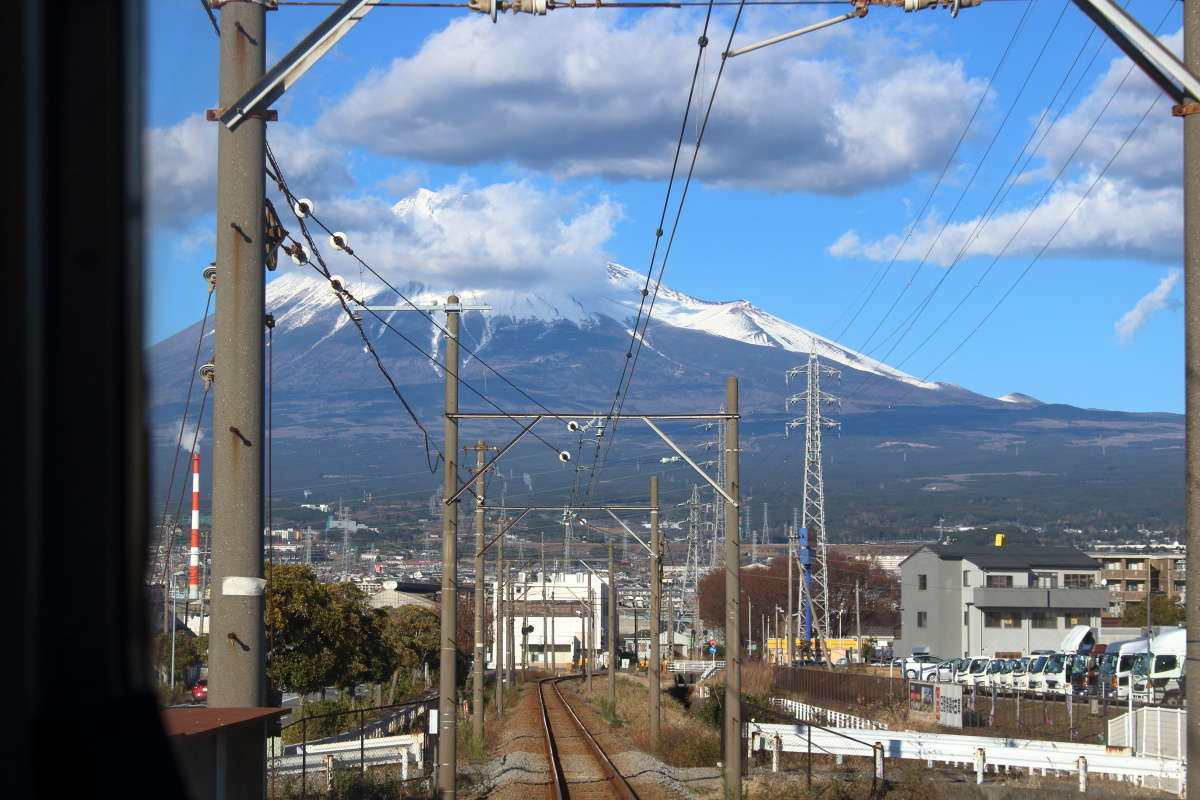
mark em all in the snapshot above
pixel 555 607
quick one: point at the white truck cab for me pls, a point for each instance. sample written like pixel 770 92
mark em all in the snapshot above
pixel 1158 673
pixel 1116 665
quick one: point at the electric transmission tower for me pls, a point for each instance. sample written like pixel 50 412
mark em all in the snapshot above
pixel 813 539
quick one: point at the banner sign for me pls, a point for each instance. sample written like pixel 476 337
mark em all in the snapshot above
pixel 939 703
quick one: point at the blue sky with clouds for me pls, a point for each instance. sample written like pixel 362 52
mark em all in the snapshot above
pixel 939 193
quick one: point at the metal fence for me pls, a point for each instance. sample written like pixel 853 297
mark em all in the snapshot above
pixel 840 686
pixel 378 745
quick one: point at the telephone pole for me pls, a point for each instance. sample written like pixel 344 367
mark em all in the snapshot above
pixel 502 643
pixel 447 768
pixel 655 613
pixel 480 594
pixel 498 619
pixel 237 655
pixel 612 631
pixel 1191 288
pixel 733 622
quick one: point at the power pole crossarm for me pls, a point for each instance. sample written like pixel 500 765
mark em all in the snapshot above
pixel 292 66
pixel 1155 59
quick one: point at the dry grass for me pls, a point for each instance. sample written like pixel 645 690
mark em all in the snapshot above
pixel 685 741
pixel 757 678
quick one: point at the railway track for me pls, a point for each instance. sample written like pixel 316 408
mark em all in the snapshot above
pixel 579 768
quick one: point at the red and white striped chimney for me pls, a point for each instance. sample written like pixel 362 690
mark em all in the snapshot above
pixel 194 554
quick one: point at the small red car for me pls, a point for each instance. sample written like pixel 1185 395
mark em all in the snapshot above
pixel 200 691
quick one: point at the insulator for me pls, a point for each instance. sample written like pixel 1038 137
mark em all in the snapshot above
pixel 304 207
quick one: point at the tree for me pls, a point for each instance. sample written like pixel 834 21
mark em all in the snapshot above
pixel 321 634
pixel 766 588
pixel 413 634
pixel 190 651
pixel 1163 611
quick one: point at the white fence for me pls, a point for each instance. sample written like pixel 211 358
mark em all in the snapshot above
pixel 404 750
pixel 979 752
pixel 824 716
pixel 1152 733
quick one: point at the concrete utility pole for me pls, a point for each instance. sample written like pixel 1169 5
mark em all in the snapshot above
pixel 510 634
pixel 733 620
pixel 237 654
pixel 789 652
pixel 447 768
pixel 591 635
pixel 545 603
pixel 480 592
pixel 858 622
pixel 501 642
pixel 612 631
pixel 655 613
pixel 1191 288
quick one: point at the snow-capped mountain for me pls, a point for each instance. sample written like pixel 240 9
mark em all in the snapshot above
pixel 303 300
pixel 336 419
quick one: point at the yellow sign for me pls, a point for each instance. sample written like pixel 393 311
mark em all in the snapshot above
pixel 831 644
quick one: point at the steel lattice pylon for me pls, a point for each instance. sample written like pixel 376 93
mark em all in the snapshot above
pixel 813 539
pixel 691 578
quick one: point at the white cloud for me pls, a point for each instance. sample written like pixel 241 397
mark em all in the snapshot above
pixel 1118 219
pixel 1154 157
pixel 1155 300
pixel 181 167
pixel 503 235
pixel 602 95
pixel 1134 211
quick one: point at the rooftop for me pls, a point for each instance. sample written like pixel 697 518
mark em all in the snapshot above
pixel 1014 556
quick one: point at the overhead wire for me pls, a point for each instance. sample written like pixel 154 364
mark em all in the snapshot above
pixel 1020 163
pixel 610 423
pixel 912 317
pixel 933 190
pixel 641 340
pixel 293 199
pixel 1034 207
pixel 183 421
pixel 343 293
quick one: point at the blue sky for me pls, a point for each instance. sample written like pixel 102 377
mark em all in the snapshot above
pixel 540 147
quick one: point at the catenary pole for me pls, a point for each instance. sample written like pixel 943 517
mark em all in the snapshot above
pixel 502 643
pixel 652 679
pixel 237 656
pixel 733 619
pixel 1191 247
pixel 612 632
pixel 510 634
pixel 447 768
pixel 789 654
pixel 480 591
pixel 591 634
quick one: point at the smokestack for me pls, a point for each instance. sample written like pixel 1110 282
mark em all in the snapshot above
pixel 194 554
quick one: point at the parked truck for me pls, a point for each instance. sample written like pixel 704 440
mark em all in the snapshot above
pixel 1158 673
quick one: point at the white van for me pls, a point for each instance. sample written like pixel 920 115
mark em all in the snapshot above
pixel 1163 663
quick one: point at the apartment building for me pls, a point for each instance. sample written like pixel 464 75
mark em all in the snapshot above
pixel 1127 576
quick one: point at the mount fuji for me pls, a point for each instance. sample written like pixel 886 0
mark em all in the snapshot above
pixel 563 347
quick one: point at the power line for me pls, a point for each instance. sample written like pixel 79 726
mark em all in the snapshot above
pixel 293 200
pixel 914 315
pixel 1029 215
pixel 343 293
pixel 929 198
pixel 702 43
pixel 641 340
pixel 186 406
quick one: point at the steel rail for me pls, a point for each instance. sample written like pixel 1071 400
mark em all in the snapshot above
pixel 559 788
